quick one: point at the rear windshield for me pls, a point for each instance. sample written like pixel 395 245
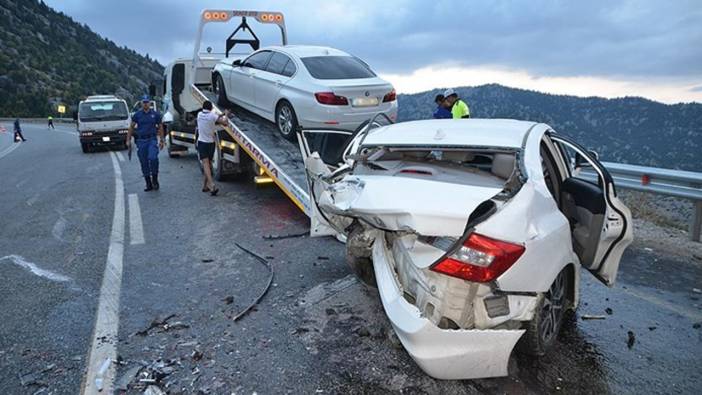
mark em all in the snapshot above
pixel 102 111
pixel 337 68
pixel 478 167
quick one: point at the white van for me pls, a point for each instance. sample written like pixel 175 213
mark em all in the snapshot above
pixel 103 121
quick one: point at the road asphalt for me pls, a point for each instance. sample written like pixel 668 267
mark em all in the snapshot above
pixel 185 277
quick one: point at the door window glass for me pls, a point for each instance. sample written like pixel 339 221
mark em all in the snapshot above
pixel 258 60
pixel 289 69
pixel 277 63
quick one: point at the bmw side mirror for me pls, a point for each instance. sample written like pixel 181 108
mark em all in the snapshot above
pixel 237 63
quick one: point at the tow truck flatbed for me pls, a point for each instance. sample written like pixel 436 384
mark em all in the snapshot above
pixel 279 158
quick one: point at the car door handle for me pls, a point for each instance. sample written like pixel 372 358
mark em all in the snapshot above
pixel 278 83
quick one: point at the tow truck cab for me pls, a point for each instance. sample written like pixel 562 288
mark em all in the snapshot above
pixel 103 120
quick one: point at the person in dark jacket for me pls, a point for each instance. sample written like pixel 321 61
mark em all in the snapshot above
pixel 441 112
pixel 18 131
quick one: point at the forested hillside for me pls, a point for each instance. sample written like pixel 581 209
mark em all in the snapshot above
pixel 631 130
pixel 46 58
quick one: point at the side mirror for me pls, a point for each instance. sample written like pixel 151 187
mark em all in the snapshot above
pixel 581 162
pixel 594 154
pixel 236 63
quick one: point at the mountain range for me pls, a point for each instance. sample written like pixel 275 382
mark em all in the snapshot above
pixel 629 130
pixel 46 59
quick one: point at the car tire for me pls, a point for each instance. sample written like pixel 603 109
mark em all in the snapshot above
pixel 222 99
pixel 85 147
pixel 286 120
pixel 542 330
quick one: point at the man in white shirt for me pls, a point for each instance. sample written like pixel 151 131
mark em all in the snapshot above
pixel 207 122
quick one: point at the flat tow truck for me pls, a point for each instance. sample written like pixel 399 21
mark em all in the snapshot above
pixel 249 145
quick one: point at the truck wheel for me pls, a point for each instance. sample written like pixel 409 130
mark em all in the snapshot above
pixel 543 329
pixel 286 120
pixel 85 147
pixel 218 162
pixel 222 99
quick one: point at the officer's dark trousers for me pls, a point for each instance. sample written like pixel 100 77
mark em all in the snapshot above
pixel 147 150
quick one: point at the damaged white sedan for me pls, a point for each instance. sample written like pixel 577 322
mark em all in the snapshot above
pixel 473 231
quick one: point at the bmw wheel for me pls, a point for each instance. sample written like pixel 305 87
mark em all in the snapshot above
pixel 286 120
pixel 543 329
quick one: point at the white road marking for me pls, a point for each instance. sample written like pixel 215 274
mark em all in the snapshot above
pixel 681 310
pixel 120 156
pixel 32 267
pixel 104 341
pixel 136 227
pixel 9 149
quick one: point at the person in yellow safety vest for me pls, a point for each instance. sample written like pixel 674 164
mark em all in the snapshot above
pixel 459 108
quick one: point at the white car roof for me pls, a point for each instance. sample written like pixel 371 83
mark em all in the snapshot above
pixel 505 133
pixel 305 51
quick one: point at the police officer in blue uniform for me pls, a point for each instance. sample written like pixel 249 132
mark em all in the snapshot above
pixel 149 141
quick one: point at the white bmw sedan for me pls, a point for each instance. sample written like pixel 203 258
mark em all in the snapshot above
pixel 473 230
pixel 308 86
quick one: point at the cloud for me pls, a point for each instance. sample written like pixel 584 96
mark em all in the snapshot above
pixel 620 41
pixel 696 89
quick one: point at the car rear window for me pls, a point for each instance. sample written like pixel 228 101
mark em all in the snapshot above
pixel 337 68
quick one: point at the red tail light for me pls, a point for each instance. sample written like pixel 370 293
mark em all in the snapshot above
pixel 480 259
pixel 392 96
pixel 331 99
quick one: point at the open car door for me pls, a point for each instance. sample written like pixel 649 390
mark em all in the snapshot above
pixel 601 224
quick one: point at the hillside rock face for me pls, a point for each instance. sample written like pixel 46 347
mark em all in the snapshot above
pixel 47 58
pixel 629 130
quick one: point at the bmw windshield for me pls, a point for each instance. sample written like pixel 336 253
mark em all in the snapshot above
pixel 337 67
pixel 103 111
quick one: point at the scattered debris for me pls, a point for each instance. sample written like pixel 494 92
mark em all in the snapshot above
pixel 28 379
pixel 363 332
pixel 592 317
pixel 287 236
pixel 100 376
pixel 652 328
pixel 697 290
pixel 123 383
pixel 267 287
pixel 207 260
pixel 608 311
pixel 153 390
pixel 323 258
pixel 330 311
pixel 648 249
pixel 163 325
pixel 631 339
pixel 196 355
pixel 697 325
pixel 228 300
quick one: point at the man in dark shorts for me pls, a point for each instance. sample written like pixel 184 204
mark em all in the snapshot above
pixel 207 122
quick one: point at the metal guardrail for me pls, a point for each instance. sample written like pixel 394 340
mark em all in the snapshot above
pixel 677 183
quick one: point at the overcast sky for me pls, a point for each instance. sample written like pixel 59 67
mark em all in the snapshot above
pixel 603 48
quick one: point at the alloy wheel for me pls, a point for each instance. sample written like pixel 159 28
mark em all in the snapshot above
pixel 285 120
pixel 552 309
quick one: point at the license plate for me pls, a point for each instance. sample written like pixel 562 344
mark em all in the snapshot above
pixel 105 139
pixel 364 101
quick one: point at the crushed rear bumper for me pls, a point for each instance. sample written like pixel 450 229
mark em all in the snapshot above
pixel 441 353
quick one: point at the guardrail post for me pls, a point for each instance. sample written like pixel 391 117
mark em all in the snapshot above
pixel 696 223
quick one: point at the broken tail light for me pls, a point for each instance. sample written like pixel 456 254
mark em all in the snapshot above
pixel 480 259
